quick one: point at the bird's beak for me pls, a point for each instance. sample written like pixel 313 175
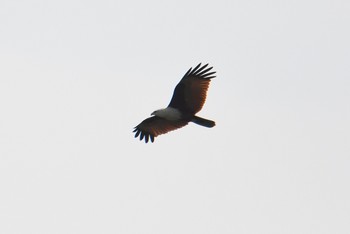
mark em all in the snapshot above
pixel 153 113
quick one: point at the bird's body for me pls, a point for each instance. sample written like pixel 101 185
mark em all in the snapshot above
pixel 188 99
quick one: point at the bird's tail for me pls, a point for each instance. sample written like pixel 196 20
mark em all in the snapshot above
pixel 203 122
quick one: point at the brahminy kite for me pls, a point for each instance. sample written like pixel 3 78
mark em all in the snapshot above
pixel 188 99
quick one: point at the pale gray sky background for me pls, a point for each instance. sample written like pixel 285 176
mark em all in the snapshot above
pixel 77 76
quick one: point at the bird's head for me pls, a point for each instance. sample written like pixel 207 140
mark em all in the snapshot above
pixel 168 113
pixel 156 112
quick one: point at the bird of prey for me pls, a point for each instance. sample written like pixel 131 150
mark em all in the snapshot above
pixel 188 99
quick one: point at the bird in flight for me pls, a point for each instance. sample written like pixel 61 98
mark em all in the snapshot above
pixel 188 99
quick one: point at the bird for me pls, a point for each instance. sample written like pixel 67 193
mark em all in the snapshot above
pixel 188 98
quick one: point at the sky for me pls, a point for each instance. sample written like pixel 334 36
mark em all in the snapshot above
pixel 77 76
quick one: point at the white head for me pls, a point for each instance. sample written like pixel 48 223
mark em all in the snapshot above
pixel 156 112
pixel 168 113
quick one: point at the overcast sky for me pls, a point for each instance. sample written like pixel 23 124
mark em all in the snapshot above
pixel 77 76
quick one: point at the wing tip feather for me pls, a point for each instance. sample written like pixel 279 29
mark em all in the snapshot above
pixel 201 71
pixel 143 135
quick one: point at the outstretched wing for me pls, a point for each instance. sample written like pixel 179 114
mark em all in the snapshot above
pixel 191 92
pixel 154 126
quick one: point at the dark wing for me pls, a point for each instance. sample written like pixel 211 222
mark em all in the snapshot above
pixel 190 93
pixel 154 126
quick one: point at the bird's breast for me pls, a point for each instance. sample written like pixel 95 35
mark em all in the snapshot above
pixel 169 113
